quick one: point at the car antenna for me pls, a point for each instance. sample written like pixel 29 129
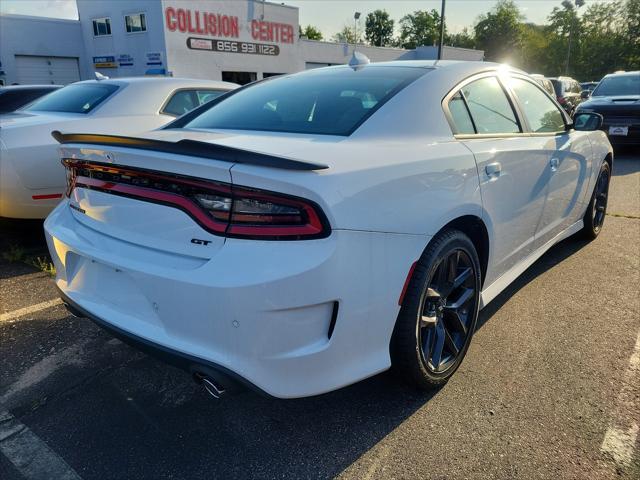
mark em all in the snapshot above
pixel 100 76
pixel 358 59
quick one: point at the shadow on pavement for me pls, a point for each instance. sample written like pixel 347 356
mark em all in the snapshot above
pixel 625 163
pixel 158 424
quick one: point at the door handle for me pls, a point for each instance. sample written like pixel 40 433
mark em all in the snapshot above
pixel 493 169
pixel 554 163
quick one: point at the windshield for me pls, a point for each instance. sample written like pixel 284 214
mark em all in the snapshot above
pixel 328 102
pixel 618 85
pixel 77 98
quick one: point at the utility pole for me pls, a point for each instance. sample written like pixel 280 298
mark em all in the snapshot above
pixel 578 4
pixel 356 16
pixel 441 31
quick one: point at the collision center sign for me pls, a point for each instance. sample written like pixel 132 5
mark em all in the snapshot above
pixel 224 27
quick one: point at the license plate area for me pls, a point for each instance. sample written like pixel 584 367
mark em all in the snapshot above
pixel 111 287
pixel 618 130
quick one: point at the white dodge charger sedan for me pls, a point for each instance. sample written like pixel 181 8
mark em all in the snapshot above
pixel 312 230
pixel 32 181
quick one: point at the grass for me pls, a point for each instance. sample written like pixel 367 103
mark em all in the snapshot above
pixel 43 264
pixel 16 253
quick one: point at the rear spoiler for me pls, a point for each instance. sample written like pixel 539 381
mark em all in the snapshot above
pixel 191 148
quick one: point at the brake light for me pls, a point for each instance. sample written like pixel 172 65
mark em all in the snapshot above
pixel 218 207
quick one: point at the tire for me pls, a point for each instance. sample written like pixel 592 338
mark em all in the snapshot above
pixel 428 323
pixel 597 210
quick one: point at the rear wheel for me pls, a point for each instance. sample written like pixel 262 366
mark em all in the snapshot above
pixel 597 209
pixel 439 312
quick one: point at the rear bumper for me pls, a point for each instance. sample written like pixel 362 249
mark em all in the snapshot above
pixel 262 312
pixel 178 359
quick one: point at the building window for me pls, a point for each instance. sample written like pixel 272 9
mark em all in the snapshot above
pixel 241 78
pixel 101 26
pixel 135 23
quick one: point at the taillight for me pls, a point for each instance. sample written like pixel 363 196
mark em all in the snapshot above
pixel 218 207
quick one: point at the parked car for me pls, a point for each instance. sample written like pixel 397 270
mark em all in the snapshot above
pixel 32 181
pixel 314 229
pixel 588 86
pixel 568 93
pixel 545 82
pixel 617 99
pixel 15 97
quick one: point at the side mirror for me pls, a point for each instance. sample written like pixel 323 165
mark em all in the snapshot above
pixel 585 94
pixel 587 121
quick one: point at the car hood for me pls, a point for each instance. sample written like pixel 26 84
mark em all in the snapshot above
pixel 623 103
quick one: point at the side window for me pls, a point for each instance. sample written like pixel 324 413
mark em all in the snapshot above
pixel 541 113
pixel 184 101
pixel 205 96
pixel 181 102
pixel 489 107
pixel 460 115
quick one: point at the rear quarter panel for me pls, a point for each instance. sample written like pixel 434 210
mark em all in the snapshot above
pixel 387 186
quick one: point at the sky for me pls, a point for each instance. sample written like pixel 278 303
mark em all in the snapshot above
pixel 328 15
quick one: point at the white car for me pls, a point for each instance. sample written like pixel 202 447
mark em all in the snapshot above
pixel 32 181
pixel 315 229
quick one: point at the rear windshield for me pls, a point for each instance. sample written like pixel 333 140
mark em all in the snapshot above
pixel 78 98
pixel 11 100
pixel 619 85
pixel 328 102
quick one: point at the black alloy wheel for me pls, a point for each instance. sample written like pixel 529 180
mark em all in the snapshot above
pixel 447 308
pixel 597 209
pixel 439 311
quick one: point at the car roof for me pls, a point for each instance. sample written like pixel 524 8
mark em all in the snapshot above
pixel 28 87
pixel 431 64
pixel 448 68
pixel 146 95
pixel 160 81
pixel 623 74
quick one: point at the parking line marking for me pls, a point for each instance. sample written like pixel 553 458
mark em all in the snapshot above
pixel 21 312
pixel 29 454
pixel 620 439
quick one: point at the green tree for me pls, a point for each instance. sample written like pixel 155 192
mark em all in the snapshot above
pixel 347 35
pixel 534 49
pixel 499 32
pixel 565 31
pixel 631 34
pixel 600 44
pixel 311 32
pixel 419 28
pixel 379 28
pixel 463 39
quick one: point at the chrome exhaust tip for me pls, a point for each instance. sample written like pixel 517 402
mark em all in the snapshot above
pixel 213 389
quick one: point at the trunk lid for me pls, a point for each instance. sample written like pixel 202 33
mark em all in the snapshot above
pixel 150 163
pixel 141 222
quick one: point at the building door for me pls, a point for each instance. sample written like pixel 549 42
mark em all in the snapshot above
pixel 31 69
pixel 241 78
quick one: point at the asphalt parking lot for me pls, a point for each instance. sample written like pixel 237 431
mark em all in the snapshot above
pixel 550 388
